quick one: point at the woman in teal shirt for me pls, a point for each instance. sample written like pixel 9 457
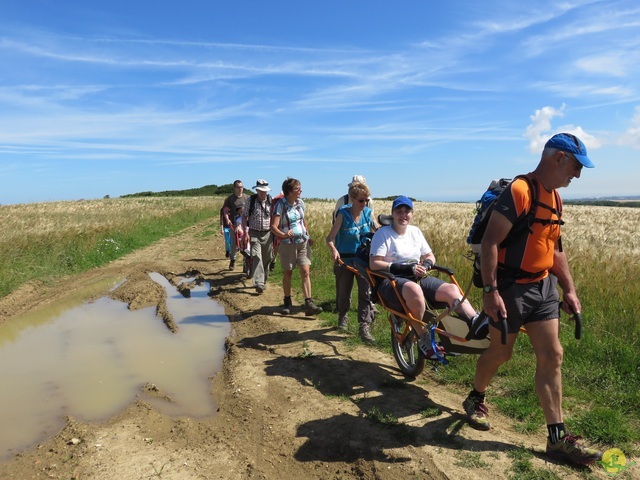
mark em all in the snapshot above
pixel 352 221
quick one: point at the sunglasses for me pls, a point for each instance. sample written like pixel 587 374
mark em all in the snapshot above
pixel 362 200
pixel 576 162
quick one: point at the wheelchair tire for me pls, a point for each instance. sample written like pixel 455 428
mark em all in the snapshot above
pixel 407 355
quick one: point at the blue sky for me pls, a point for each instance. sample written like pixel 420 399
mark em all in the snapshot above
pixel 423 98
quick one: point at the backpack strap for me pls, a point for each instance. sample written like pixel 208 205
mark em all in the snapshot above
pixel 252 202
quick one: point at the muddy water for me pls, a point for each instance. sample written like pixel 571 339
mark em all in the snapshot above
pixel 93 360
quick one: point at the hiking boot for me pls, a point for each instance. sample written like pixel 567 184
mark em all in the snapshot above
pixel 311 308
pixel 286 309
pixel 477 413
pixel 343 323
pixel 569 450
pixel 365 333
pixel 232 264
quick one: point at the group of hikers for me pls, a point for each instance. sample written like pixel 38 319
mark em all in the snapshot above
pixel 519 276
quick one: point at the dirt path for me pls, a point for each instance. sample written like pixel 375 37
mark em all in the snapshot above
pixel 292 397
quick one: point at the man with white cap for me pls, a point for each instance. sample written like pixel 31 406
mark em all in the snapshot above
pixel 257 217
pixel 344 200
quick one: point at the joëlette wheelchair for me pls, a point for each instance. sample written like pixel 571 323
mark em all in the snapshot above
pixel 449 330
pixel 454 333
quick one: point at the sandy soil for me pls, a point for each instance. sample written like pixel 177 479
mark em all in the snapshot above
pixel 292 397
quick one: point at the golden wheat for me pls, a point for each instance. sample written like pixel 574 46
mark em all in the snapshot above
pixel 590 231
pixel 41 219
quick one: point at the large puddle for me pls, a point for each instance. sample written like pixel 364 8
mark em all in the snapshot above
pixel 94 359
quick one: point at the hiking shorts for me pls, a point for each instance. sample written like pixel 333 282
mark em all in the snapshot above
pixel 292 254
pixel 428 284
pixel 530 302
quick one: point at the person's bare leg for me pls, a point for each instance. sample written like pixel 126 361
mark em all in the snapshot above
pixel 306 280
pixel 413 297
pixel 286 282
pixel 548 378
pixel 491 359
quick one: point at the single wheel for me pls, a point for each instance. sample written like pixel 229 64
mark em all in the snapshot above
pixel 407 354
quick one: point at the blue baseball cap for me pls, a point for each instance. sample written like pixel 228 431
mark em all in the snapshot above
pixel 402 200
pixel 570 144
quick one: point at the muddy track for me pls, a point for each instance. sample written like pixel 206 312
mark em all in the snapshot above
pixel 294 400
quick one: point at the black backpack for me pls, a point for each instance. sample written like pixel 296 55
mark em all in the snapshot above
pixel 521 226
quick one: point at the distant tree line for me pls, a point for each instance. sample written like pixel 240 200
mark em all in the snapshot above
pixel 605 203
pixel 206 191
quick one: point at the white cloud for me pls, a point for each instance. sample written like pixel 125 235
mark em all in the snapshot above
pixel 631 136
pixel 537 133
pixel 541 128
pixel 612 64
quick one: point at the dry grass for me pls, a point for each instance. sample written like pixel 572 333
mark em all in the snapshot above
pixel 38 219
pixel 46 240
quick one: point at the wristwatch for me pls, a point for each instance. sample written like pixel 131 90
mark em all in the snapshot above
pixel 490 288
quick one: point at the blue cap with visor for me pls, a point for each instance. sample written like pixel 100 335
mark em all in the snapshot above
pixel 571 144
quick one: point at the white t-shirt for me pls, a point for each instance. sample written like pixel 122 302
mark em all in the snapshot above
pixel 387 243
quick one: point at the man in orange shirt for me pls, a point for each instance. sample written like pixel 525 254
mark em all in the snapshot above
pixel 518 286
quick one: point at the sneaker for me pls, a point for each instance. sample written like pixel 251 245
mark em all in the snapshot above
pixel 479 328
pixel 286 309
pixel 259 289
pixel 311 308
pixel 568 449
pixel 232 264
pixel 424 344
pixel 343 324
pixel 365 333
pixel 477 413
pixel 272 265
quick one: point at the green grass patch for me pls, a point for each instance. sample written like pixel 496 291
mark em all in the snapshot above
pixel 466 459
pixel 522 468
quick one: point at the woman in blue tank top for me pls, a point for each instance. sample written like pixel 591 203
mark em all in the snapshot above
pixel 352 221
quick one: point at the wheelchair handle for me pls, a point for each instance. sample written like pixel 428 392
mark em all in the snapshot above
pixel 440 268
pixel 504 329
pixel 577 317
pixel 578 332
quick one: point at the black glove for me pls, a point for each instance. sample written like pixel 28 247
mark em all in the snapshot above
pixel 402 269
pixel 427 264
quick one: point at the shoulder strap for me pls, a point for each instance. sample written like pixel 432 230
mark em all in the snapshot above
pixel 252 203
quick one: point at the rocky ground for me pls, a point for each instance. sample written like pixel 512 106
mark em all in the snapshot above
pixel 295 401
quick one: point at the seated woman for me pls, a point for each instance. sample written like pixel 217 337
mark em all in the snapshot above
pixel 401 249
pixel 351 222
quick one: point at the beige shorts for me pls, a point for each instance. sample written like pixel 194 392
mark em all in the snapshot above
pixel 292 254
